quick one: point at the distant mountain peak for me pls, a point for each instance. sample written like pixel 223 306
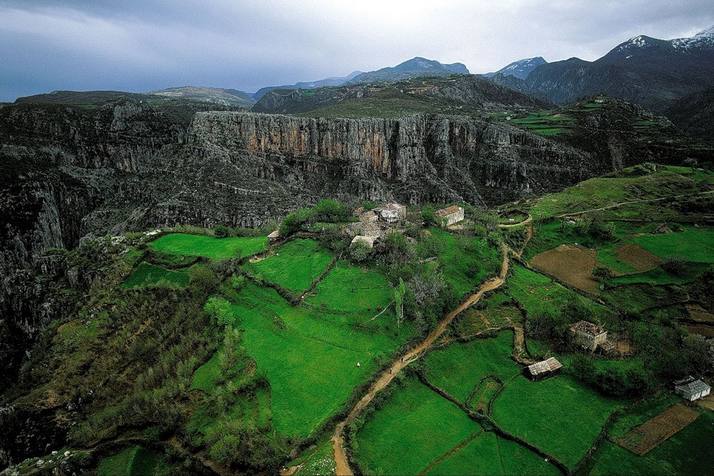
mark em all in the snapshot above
pixel 520 69
pixel 708 33
pixel 414 67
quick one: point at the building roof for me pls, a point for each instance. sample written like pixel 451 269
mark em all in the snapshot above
pixel 549 365
pixel 587 328
pixel 693 386
pixel 450 210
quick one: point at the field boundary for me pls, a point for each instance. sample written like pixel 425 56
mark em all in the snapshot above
pixel 645 437
pixel 489 424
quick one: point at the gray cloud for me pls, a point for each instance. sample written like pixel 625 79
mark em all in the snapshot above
pixel 150 44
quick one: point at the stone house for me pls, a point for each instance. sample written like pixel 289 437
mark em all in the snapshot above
pixel 450 215
pixel 692 389
pixel 392 212
pixel 367 240
pixel 588 335
pixel 543 369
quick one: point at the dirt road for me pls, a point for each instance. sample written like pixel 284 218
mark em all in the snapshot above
pixel 342 467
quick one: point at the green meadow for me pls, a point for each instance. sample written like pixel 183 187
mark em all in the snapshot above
pixel 208 246
pixel 294 266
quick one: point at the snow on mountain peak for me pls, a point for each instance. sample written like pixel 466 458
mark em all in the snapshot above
pixel 708 33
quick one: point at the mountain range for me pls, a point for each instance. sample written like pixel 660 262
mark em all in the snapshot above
pixel 650 72
pixel 519 69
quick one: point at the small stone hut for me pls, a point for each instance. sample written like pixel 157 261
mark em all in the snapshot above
pixel 543 369
pixel 450 215
pixel 588 335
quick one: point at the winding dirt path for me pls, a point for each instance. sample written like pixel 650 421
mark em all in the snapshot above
pixel 342 467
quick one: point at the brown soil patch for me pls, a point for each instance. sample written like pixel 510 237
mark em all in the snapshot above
pixel 623 347
pixel 653 432
pixel 701 329
pixel 699 314
pixel 571 264
pixel 637 257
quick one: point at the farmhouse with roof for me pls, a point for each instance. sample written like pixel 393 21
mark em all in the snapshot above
pixel 692 389
pixel 543 369
pixel 588 335
pixel 450 215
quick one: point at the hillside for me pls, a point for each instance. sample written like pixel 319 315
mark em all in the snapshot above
pixel 462 94
pixel 221 96
pixel 695 114
pixel 247 330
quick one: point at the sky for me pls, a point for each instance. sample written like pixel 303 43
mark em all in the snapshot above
pixel 144 45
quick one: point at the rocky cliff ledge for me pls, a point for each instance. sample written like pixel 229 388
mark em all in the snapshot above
pixel 415 159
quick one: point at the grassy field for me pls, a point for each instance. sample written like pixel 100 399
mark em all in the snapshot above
pixel 353 290
pixel 459 367
pixel 490 455
pixel 692 244
pixel 602 191
pixel 465 261
pixel 294 266
pixel 546 123
pixel 413 428
pixel 147 274
pixel 132 461
pixel 209 246
pixel 659 277
pixel 559 415
pixel 540 295
pixel 687 452
pixel 310 358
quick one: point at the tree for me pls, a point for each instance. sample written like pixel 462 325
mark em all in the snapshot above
pixel 399 301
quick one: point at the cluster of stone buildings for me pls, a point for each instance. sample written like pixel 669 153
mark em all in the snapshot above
pixel 374 223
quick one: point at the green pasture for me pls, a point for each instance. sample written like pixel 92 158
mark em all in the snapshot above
pixel 294 266
pixel 490 455
pixel 313 360
pixel 687 452
pixel 209 246
pixel 540 295
pixel 147 274
pixel 132 461
pixel 692 244
pixel 413 428
pixel 458 368
pixel 465 261
pixel 349 289
pixel 558 415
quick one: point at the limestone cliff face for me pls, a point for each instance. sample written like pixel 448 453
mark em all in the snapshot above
pixel 415 159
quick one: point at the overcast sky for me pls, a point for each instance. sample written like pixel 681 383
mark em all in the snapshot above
pixel 140 45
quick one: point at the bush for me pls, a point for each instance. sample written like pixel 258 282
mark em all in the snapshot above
pixel 202 279
pixel 294 221
pixel 359 252
pixel 395 248
pixel 602 273
pixel 675 267
pixel 428 216
pixel 221 231
pixel 331 211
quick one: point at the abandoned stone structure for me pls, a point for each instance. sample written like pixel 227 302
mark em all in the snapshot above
pixel 450 215
pixel 392 212
pixel 588 335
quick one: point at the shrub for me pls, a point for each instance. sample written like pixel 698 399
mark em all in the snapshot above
pixel 221 231
pixel 359 252
pixel 675 267
pixel 294 221
pixel 202 279
pixel 428 216
pixel 602 273
pixel 332 211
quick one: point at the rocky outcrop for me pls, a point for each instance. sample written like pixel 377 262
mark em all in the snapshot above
pixel 414 159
